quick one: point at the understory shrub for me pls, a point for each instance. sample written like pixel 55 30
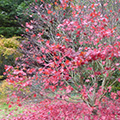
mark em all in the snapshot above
pixel 71 49
pixel 8 52
pixel 3 90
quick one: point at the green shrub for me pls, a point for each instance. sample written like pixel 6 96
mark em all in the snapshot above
pixel 3 89
pixel 10 31
pixel 8 52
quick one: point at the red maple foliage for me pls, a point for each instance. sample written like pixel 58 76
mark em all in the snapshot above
pixel 74 55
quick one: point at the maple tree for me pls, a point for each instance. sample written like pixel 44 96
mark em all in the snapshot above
pixel 73 52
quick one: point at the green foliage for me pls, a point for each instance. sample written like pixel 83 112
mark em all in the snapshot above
pixel 9 10
pixel 12 15
pixel 3 89
pixel 8 45
pixel 9 24
pixel 10 31
pixel 8 52
pixel 5 111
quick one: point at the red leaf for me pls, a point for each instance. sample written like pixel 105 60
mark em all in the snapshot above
pixel 35 95
pixel 110 10
pixel 33 35
pixel 55 3
pixel 19 105
pixel 67 40
pixel 27 30
pixel 92 6
pixel 118 92
pixel 113 95
pixel 118 79
pixel 11 81
pixel 58 34
pixel 49 11
pixel 47 43
pixel 67 61
pixel 9 106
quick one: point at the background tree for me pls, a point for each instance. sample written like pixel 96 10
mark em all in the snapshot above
pixel 12 16
pixel 11 11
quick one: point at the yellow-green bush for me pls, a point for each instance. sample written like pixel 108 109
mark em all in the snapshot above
pixel 8 52
pixel 4 89
pixel 8 46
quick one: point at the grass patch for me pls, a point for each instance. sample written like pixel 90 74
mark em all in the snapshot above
pixel 10 112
